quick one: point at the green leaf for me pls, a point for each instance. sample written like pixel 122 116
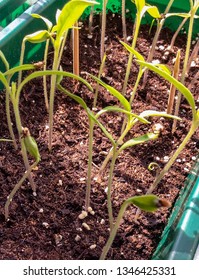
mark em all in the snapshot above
pixel 47 22
pixel 130 49
pixel 69 15
pixel 16 69
pixel 31 145
pixel 148 203
pixel 184 90
pixel 184 15
pixel 120 110
pixel 153 113
pixel 139 5
pixel 139 140
pixel 5 140
pixel 89 112
pixel 38 37
pixel 124 102
pixel 4 60
pixel 53 72
pixel 153 11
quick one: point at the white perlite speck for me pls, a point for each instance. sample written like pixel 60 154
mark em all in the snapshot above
pixel 86 226
pixel 83 215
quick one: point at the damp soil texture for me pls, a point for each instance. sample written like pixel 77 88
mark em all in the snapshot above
pixel 47 226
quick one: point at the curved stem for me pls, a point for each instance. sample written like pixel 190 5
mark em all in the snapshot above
pixel 9 122
pixel 23 148
pixel 137 27
pixel 52 97
pixel 90 158
pixel 102 48
pixel 21 60
pixel 114 230
pixel 124 21
pixel 16 188
pixel 44 77
pixel 110 180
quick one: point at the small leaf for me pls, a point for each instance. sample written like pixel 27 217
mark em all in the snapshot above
pixel 130 49
pixel 187 94
pixel 153 113
pixel 31 145
pixel 38 37
pixel 47 22
pixel 69 15
pixel 139 140
pixel 139 5
pixel 184 15
pixel 118 109
pixel 16 69
pixel 148 203
pixel 153 11
pixel 124 102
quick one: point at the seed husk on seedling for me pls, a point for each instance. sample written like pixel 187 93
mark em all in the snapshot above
pixel 148 203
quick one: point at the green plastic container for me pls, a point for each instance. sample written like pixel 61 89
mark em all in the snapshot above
pixel 180 237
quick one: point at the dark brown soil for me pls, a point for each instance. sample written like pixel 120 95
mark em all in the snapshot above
pixel 47 226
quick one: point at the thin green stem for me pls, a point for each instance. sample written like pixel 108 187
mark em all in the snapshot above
pixel 192 130
pixel 44 77
pixel 52 97
pixel 99 76
pixel 114 230
pixel 102 48
pixel 9 121
pixel 16 188
pixel 155 39
pixel 188 46
pixel 110 180
pixel 23 148
pixel 110 153
pixel 128 69
pixel 90 158
pixel 21 60
pixel 124 21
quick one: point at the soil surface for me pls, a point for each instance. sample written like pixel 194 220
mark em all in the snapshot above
pixel 47 226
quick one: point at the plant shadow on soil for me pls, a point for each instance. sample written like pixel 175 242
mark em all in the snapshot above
pixel 46 226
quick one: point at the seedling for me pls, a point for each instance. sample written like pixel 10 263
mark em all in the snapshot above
pixel 160 23
pixel 192 14
pixel 148 203
pixel 120 145
pixel 194 124
pixel 142 8
pixel 32 148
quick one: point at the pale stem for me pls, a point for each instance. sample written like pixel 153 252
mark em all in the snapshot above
pixel 124 21
pixel 155 39
pixel 192 130
pixel 90 158
pixel 21 60
pixel 44 77
pixel 188 46
pixel 176 33
pixel 9 121
pixel 128 69
pixel 91 20
pixel 102 47
pixel 172 87
pixel 16 188
pixel 76 49
pixel 110 180
pixel 23 148
pixel 52 97
pixel 114 230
